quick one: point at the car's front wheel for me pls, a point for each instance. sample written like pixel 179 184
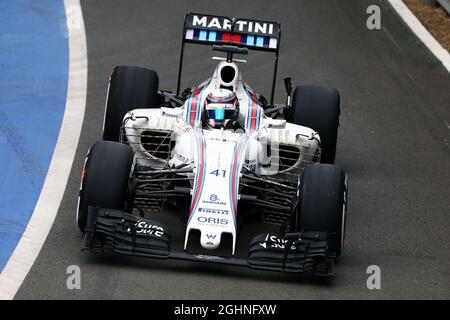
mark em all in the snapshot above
pixel 104 179
pixel 323 203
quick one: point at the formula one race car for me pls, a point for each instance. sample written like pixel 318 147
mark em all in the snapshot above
pixel 217 152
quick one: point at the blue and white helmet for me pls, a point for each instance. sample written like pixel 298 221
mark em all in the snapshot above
pixel 221 107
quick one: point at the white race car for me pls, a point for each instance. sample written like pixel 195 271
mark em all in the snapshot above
pixel 219 152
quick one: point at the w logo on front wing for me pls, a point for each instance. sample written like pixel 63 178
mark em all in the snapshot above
pixel 211 236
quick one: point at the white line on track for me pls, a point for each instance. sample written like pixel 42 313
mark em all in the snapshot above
pixel 27 250
pixel 421 32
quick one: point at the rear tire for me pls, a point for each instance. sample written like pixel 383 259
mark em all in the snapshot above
pixel 104 181
pixel 129 88
pixel 318 108
pixel 322 206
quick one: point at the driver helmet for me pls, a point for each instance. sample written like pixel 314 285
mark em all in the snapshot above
pixel 221 108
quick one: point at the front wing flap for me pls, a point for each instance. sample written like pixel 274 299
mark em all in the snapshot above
pixel 124 233
pixel 292 252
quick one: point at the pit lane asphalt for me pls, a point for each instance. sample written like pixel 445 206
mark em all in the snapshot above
pixel 393 143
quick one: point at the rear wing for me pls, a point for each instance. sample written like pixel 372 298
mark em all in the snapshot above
pixel 219 30
pixel 257 35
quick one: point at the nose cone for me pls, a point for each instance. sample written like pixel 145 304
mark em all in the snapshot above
pixel 210 241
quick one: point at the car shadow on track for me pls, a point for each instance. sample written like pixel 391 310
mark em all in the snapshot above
pixel 201 269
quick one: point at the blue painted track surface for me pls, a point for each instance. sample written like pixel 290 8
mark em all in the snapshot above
pixel 33 88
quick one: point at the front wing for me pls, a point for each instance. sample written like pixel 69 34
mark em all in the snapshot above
pixel 123 233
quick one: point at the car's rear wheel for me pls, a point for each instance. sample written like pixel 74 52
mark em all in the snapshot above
pixel 322 205
pixel 129 88
pixel 104 179
pixel 318 108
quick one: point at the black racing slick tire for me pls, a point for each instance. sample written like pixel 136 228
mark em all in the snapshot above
pixel 129 88
pixel 104 179
pixel 319 109
pixel 323 203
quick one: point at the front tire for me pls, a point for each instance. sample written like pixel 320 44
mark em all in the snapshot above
pixel 318 108
pixel 323 201
pixel 129 88
pixel 104 180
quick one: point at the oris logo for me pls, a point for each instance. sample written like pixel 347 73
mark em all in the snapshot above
pixel 217 221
